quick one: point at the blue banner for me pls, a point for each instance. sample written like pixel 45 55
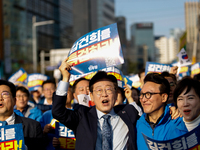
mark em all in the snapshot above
pixel 189 141
pixel 195 69
pixel 35 80
pixel 96 50
pixel 19 77
pixel 153 67
pixel 12 137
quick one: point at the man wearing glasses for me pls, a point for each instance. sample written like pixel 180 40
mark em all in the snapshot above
pixel 156 119
pixel 32 130
pixel 103 126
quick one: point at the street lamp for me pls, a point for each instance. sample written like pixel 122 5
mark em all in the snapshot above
pixel 34 39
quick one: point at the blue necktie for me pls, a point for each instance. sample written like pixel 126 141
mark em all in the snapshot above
pixel 3 123
pixel 106 134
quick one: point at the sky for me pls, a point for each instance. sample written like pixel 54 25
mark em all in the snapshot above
pixel 165 14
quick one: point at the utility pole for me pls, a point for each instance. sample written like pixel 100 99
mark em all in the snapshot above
pixel 34 39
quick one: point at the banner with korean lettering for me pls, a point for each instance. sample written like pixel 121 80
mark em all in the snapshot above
pixel 19 76
pixel 153 67
pixel 12 137
pixel 189 141
pixel 35 81
pixel 65 135
pixel 195 69
pixel 121 79
pixel 96 50
pixel 184 71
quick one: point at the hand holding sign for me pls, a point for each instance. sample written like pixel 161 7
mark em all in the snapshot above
pixel 64 69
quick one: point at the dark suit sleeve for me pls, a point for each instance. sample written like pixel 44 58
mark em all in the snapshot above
pixel 33 134
pixel 66 116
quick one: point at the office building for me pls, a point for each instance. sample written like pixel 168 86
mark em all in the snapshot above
pixel 166 49
pixel 92 14
pixel 17 26
pixel 142 42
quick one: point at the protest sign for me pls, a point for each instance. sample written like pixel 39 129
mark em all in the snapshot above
pixel 183 58
pixel 96 50
pixel 135 80
pixel 153 67
pixel 188 141
pixel 65 136
pixel 121 79
pixel 35 81
pixel 128 81
pixel 195 69
pixel 19 76
pixel 12 137
pixel 184 71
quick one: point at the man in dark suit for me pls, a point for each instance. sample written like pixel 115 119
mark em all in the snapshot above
pixel 88 123
pixel 33 135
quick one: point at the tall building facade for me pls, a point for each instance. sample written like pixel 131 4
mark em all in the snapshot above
pixel 17 24
pixel 121 25
pixel 92 14
pixel 142 42
pixel 191 18
pixel 166 49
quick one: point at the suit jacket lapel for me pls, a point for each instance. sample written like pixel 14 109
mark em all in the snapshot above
pixel 18 120
pixel 92 117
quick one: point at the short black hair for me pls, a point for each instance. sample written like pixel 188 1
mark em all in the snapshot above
pixel 76 82
pixel 122 92
pixel 138 91
pixel 158 79
pixel 189 83
pixel 10 85
pixel 23 89
pixel 49 81
pixel 167 74
pixel 102 75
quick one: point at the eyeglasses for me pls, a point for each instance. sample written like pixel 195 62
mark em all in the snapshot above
pixel 147 95
pixel 5 95
pixel 23 96
pixel 108 90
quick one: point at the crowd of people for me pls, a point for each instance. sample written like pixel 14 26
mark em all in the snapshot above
pixel 162 108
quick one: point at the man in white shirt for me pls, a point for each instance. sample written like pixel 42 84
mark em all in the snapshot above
pixel 87 122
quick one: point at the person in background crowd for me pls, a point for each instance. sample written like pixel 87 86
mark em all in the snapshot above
pixel 22 95
pixel 48 87
pixel 141 75
pixel 120 96
pixel 187 99
pixel 135 95
pixel 171 78
pixel 48 124
pixel 91 123
pixel 156 119
pixel 80 86
pixel 126 93
pixel 36 96
pixel 32 130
